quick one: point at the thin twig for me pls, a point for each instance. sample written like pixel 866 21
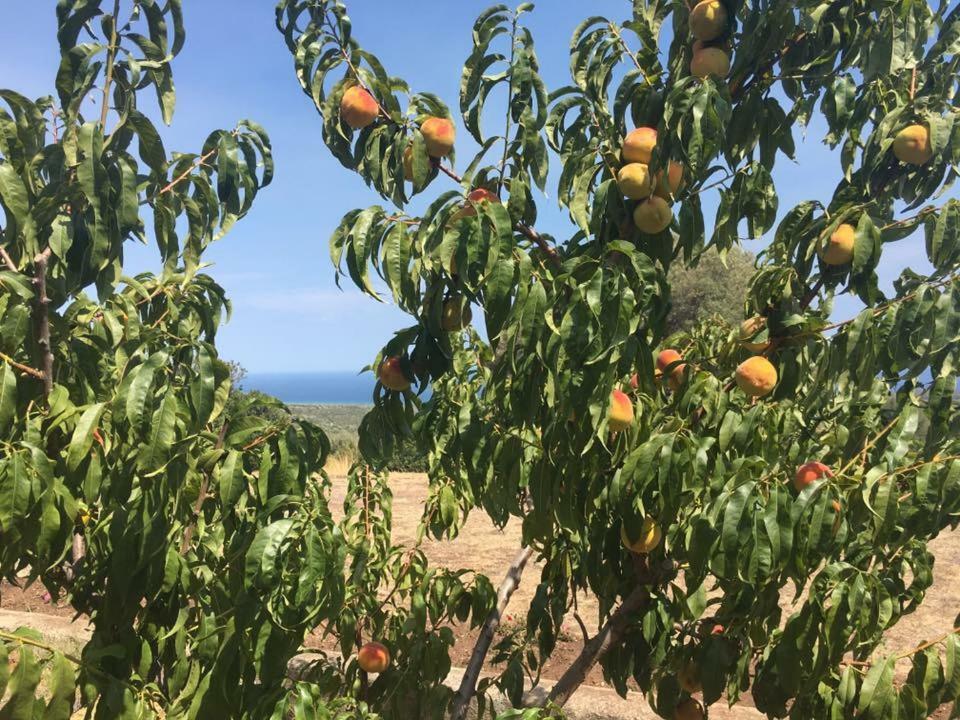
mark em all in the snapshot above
pixel 920 648
pixel 615 29
pixel 111 61
pixel 8 261
pixel 22 368
pixel 869 444
pixel 186 173
pixel 506 132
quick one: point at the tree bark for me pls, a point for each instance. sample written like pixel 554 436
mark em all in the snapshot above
pixel 594 650
pixel 42 320
pixel 468 685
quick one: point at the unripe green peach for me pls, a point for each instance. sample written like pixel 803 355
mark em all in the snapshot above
pixel 645 540
pixel 653 215
pixel 708 20
pixel 455 314
pixel 408 163
pixel 710 61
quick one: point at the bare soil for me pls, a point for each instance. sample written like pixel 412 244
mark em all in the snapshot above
pixel 489 550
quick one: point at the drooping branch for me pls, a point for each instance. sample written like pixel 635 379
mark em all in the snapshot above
pixel 468 686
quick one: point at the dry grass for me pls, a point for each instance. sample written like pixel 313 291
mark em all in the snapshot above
pixel 338 464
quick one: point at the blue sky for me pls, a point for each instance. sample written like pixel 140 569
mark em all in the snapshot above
pixel 288 313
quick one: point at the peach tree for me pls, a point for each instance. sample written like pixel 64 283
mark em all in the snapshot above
pixel 749 506
pixel 200 546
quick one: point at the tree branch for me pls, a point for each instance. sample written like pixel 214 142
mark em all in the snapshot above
pixel 609 635
pixel 468 686
pixel 186 173
pixel 22 368
pixel 548 250
pixel 42 321
pixel 111 61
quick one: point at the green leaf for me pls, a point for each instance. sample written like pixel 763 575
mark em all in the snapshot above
pixel 82 439
pixel 233 483
pixel 15 488
pixel 61 687
pixel 8 396
pixel 878 692
pixel 160 440
pixel 140 388
pixel 260 565
pixel 24 681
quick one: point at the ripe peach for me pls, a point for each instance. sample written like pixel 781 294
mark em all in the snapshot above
pixel 756 376
pixel 708 20
pixel 667 358
pixel 373 657
pixel 668 184
pixel 392 376
pixel 653 215
pixel 808 473
pixel 639 144
pixel 634 381
pixel 621 411
pixel 688 709
pixel 439 134
pixel 634 181
pixel 358 108
pixel 839 249
pixel 717 629
pixel 710 61
pixel 455 315
pixel 646 539
pixel 912 145
pixel 480 195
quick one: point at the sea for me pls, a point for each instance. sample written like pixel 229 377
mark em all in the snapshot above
pixel 314 388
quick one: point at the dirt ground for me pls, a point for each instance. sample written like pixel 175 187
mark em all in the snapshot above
pixel 490 551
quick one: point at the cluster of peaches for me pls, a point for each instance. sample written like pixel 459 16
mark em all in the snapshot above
pixel 708 23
